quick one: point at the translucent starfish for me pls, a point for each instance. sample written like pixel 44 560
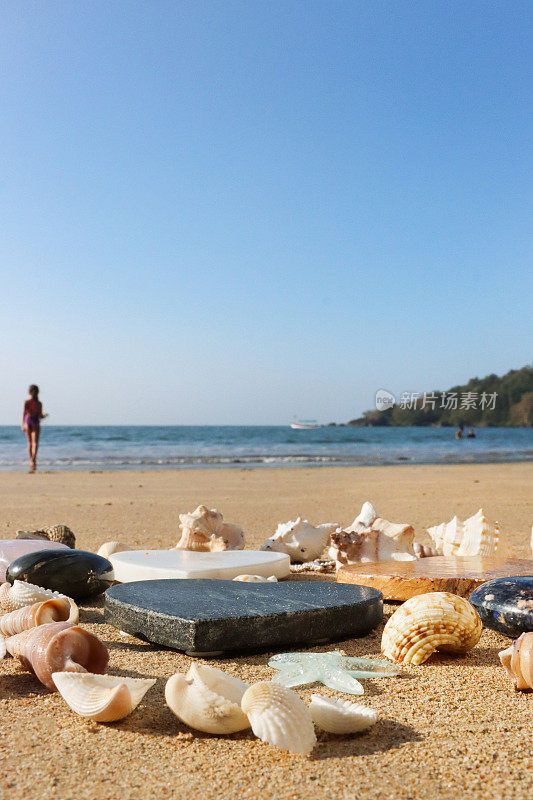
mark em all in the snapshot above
pixel 332 669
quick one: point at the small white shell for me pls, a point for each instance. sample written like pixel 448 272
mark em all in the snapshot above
pixel 207 699
pixel 340 716
pixel 278 716
pixel 22 594
pixel 104 698
pixel 3 649
pixel 108 548
pixel 256 579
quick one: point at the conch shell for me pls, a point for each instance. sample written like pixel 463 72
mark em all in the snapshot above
pixel 52 533
pixel 340 716
pixel 518 661
pixel 371 538
pixel 473 537
pixel 256 579
pixel 108 548
pixel 205 530
pixel 207 699
pixel 429 622
pixel 104 698
pixel 57 609
pixel 278 716
pixel 300 540
pixel 22 594
pixel 58 647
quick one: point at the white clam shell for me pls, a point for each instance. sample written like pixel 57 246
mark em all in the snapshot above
pixel 104 698
pixel 207 699
pixel 256 579
pixel 278 716
pixel 22 594
pixel 340 716
pixel 108 548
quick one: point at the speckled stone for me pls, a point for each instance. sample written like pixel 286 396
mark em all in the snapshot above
pixel 506 605
pixel 208 617
pixel 77 573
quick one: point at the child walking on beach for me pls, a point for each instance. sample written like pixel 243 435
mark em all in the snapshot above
pixel 32 414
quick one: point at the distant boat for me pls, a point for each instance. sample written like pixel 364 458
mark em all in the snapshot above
pixel 305 424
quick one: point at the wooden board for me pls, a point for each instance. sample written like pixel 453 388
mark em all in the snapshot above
pixel 400 580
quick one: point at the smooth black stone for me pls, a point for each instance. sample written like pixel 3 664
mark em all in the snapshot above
pixel 76 573
pixel 506 604
pixel 203 616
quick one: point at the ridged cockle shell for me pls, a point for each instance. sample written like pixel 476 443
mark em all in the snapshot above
pixel 340 716
pixel 104 698
pixel 57 609
pixel 22 594
pixel 429 622
pixel 278 716
pixel 58 647
pixel 207 699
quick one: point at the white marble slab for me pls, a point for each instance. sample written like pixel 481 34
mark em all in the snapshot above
pixel 10 549
pixel 144 565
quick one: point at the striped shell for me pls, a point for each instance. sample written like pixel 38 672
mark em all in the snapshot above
pixel 429 622
pixel 104 698
pixel 109 548
pixel 340 716
pixel 52 533
pixel 22 594
pixel 518 661
pixel 476 536
pixel 207 699
pixel 278 716
pixel 57 609
pixel 58 647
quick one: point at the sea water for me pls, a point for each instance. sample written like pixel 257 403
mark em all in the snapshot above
pixel 159 447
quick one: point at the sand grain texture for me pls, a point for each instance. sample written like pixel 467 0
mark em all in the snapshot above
pixel 451 728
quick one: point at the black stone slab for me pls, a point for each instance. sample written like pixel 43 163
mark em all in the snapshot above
pixel 209 617
pixel 506 605
pixel 76 573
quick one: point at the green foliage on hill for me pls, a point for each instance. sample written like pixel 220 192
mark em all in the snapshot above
pixel 472 404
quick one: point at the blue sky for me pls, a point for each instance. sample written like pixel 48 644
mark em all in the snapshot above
pixel 238 212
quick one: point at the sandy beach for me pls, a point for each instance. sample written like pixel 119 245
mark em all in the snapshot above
pixel 452 727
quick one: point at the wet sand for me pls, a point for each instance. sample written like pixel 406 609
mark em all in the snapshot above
pixel 452 727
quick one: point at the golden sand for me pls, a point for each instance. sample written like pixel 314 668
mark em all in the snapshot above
pixel 450 728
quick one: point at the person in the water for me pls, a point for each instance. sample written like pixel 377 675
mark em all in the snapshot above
pixel 459 431
pixel 471 434
pixel 32 414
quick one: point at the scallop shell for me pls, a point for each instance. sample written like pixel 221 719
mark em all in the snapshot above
pixel 256 579
pixel 58 647
pixel 300 540
pixel 204 530
pixel 340 716
pixel 476 536
pixel 108 548
pixel 104 698
pixel 57 609
pixel 207 699
pixel 371 538
pixel 429 622
pixel 278 716
pixel 22 594
pixel 518 661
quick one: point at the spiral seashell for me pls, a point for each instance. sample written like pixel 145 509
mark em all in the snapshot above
pixel 104 698
pixel 279 717
pixel 256 579
pixel 340 716
pixel 204 530
pixel 57 609
pixel 207 699
pixel 476 536
pixel 22 594
pixel 518 661
pixel 108 548
pixel 58 647
pixel 429 622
